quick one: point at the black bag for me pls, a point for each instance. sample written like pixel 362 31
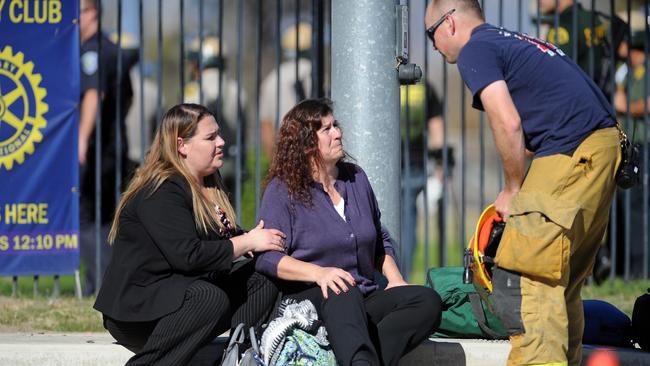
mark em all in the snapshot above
pixel 641 321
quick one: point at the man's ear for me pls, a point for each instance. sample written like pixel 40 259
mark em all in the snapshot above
pixel 181 147
pixel 451 25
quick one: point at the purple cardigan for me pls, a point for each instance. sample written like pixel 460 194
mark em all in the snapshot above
pixel 318 235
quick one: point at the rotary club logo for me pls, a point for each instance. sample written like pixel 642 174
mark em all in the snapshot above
pixel 21 108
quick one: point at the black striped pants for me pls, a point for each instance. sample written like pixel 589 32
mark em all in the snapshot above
pixel 208 310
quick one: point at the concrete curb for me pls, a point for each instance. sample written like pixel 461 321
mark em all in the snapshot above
pixel 61 349
pixel 90 349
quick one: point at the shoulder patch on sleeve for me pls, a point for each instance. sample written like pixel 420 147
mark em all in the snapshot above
pixel 89 62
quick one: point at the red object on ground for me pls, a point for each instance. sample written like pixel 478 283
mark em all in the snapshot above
pixel 603 357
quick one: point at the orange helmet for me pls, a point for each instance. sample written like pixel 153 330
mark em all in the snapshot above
pixel 482 247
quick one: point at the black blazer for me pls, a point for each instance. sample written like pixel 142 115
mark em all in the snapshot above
pixel 158 252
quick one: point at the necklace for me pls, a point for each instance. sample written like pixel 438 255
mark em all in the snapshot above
pixel 228 229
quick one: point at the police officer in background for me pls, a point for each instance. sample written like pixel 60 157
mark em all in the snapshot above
pixel 206 75
pixel 95 64
pixel 637 77
pixel 135 124
pixel 588 39
pixel 292 90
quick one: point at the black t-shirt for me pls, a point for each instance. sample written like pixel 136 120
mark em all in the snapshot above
pixel 91 63
pixel 558 103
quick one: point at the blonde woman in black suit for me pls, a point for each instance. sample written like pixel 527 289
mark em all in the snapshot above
pixel 177 277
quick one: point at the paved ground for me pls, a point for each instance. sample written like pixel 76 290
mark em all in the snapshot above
pixel 90 349
pixel 61 349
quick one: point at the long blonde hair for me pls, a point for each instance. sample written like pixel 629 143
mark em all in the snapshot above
pixel 163 161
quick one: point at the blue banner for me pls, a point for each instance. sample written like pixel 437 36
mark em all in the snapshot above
pixel 39 94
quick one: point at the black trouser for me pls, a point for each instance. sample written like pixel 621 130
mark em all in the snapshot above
pixel 208 310
pixel 377 329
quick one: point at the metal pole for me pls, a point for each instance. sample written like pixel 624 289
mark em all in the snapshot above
pixel 297 50
pixel 613 215
pixel 366 92
pixel 463 169
pixel 278 61
pixel 181 68
pixel 407 178
pixel 159 70
pixel 143 125
pixel 200 57
pixel 425 142
pixel 538 24
pixel 220 58
pixel 591 60
pixel 481 142
pixel 646 89
pixel 258 77
pixel 238 132
pixel 574 32
pixel 98 159
pixel 446 183
pixel 317 49
pixel 56 290
pixel 556 22
pixel 118 114
pixel 406 188
pixel 36 285
pixel 627 260
pixel 499 168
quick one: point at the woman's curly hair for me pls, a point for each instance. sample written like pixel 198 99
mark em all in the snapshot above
pixel 296 155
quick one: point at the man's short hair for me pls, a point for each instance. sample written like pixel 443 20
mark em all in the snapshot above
pixel 90 3
pixel 465 6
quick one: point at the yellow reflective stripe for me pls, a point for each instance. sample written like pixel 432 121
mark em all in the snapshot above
pixel 552 364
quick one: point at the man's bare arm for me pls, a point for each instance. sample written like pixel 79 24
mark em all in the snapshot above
pixel 505 123
pixel 87 117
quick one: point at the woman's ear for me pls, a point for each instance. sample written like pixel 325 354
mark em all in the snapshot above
pixel 181 147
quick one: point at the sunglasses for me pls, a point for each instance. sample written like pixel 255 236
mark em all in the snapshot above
pixel 431 31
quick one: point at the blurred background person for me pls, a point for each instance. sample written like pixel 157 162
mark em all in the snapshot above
pixel 635 51
pixel 137 123
pixel 592 37
pixel 92 62
pixel 207 70
pixel 413 99
pixel 636 77
pixel 291 90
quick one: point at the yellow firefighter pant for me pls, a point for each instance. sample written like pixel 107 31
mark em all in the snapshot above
pixel 554 228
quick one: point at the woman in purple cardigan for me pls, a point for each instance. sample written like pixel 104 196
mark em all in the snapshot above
pixel 335 242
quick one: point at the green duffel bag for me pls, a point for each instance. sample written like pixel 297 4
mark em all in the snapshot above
pixel 464 313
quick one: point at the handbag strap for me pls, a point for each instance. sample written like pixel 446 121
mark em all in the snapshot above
pixel 237 336
pixel 254 345
pixel 479 314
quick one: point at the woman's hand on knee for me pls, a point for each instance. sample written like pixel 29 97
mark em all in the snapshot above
pixel 334 279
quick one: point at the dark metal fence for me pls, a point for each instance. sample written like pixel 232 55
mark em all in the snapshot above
pixel 248 59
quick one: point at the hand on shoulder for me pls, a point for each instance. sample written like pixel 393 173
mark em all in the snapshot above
pixel 258 239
